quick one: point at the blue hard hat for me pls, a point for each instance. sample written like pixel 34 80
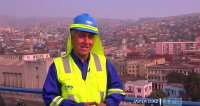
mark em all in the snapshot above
pixel 87 20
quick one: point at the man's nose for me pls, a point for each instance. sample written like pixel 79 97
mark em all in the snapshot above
pixel 86 40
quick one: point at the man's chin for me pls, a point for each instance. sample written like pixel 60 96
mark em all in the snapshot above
pixel 84 53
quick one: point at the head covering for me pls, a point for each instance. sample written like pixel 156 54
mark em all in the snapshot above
pixel 85 22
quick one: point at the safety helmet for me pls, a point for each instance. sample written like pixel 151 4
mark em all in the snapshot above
pixel 88 21
pixel 85 22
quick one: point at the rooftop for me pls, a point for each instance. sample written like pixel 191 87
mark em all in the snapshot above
pixel 170 66
pixel 138 82
pixel 128 77
pixel 179 42
pixel 177 85
pixel 22 53
pixel 138 62
pixel 122 51
pixel 11 62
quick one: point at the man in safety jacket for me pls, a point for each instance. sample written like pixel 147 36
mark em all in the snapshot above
pixel 83 77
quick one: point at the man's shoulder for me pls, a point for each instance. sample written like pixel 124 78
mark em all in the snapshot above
pixel 100 56
pixel 58 58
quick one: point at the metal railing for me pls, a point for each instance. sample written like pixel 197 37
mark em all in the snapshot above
pixel 126 99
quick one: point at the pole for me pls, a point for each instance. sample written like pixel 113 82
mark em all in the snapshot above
pixel 12 96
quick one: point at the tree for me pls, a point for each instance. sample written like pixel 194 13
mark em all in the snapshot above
pixel 174 77
pixel 192 86
pixel 109 55
pixel 157 95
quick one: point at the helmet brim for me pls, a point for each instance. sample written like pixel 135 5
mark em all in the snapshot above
pixel 85 30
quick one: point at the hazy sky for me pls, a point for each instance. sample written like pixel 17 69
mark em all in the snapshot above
pixel 120 9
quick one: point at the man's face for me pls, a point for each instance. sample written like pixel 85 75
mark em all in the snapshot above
pixel 83 42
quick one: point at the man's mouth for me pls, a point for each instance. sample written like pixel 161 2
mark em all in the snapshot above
pixel 84 47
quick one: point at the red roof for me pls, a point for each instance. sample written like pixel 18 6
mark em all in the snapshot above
pixel 52 44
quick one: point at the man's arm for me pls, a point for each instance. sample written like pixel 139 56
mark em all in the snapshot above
pixel 52 90
pixel 114 86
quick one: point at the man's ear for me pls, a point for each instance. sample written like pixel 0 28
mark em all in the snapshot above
pixel 72 39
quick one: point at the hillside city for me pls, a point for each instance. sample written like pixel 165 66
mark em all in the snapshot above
pixel 155 57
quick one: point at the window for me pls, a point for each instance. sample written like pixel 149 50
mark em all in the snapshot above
pixel 129 70
pixel 133 70
pixel 172 92
pixel 149 87
pixel 184 72
pixel 47 55
pixel 180 71
pixel 149 77
pixel 129 88
pixel 37 76
pixel 181 93
pixel 138 96
pixel 129 66
pixel 188 72
pixel 28 57
pixel 36 68
pixel 33 56
pixel 139 90
pixel 132 66
pixel 145 89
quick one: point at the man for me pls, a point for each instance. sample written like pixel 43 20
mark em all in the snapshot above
pixel 83 77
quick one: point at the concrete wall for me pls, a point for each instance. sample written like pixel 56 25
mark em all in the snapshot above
pixel 36 72
pixel 12 76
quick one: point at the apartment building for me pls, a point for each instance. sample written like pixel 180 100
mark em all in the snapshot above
pixel 196 69
pixel 175 48
pixel 152 60
pixel 120 66
pixel 138 68
pixel 157 73
pixel 191 52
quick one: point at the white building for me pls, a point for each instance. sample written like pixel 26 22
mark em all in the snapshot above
pixel 122 52
pixel 138 89
pixel 26 56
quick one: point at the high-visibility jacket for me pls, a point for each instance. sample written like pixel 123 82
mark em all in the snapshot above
pixel 94 88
